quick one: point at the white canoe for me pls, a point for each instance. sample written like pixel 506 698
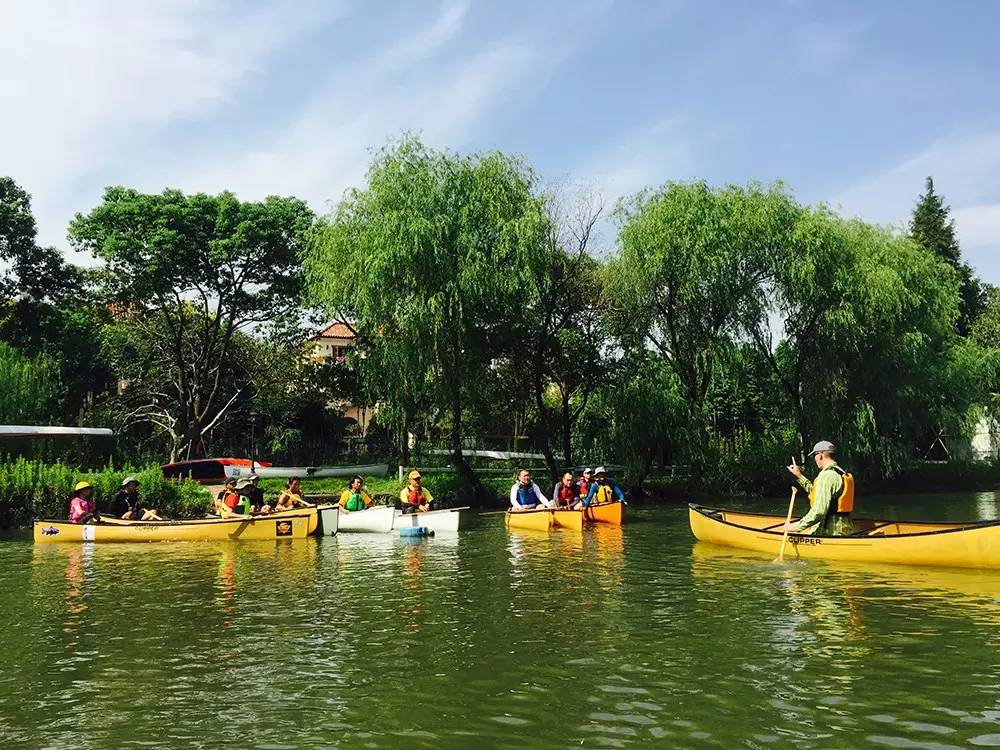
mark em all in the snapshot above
pixel 439 521
pixel 310 472
pixel 329 519
pixel 377 519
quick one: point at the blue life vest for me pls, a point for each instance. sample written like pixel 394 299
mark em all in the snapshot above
pixel 527 496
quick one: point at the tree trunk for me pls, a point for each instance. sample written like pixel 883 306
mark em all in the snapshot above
pixel 471 486
pixel 567 431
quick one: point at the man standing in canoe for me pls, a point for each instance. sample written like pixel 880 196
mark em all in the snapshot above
pixel 525 494
pixel 831 496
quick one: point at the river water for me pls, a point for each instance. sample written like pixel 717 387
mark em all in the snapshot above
pixel 610 638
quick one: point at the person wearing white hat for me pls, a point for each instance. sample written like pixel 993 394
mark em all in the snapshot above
pixel 603 490
pixel 831 496
pixel 125 503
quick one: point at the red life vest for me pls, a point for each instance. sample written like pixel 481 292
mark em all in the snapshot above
pixel 566 494
pixel 584 487
pixel 415 497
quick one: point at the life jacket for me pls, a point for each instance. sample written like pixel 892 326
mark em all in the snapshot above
pixel 566 494
pixel 231 500
pixel 415 496
pixel 605 493
pixel 844 502
pixel 355 502
pixel 584 487
pixel 526 496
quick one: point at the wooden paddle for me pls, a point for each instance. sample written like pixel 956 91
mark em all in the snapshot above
pixel 788 520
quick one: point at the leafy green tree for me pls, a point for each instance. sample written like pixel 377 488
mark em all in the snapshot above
pixel 933 227
pixel 189 274
pixel 432 262
pixel 30 389
pixel 691 266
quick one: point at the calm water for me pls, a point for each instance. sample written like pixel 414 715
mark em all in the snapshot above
pixel 613 638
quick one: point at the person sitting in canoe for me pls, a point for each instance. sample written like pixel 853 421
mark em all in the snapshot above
pixel 291 497
pixel 255 496
pixel 583 484
pixel 414 497
pixel 565 493
pixel 125 504
pixel 831 496
pixel 525 494
pixel 82 508
pixel 355 497
pixel 603 490
pixel 227 498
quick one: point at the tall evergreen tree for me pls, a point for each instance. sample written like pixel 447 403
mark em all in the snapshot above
pixel 933 227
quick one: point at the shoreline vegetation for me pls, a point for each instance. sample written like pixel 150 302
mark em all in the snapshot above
pixel 719 328
pixel 33 489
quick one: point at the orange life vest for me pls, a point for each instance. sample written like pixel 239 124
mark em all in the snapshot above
pixel 844 502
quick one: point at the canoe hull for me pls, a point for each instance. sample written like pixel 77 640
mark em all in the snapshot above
pixel 567 519
pixel 329 519
pixel 445 521
pixel 969 545
pixel 609 513
pixel 312 513
pixel 376 520
pixel 202 530
pixel 532 520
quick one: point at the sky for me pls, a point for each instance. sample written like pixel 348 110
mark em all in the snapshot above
pixel 852 104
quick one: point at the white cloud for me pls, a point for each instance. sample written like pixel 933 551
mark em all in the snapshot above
pixel 87 82
pixel 966 171
pixel 645 157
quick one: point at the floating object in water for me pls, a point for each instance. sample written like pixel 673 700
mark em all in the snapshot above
pixel 416 531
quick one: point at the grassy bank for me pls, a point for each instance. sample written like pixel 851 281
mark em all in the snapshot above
pixel 32 489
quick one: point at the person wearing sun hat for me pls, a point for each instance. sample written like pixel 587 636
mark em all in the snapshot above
pixel 583 483
pixel 227 499
pixel 604 489
pixel 415 498
pixel 82 508
pixel 831 496
pixel 125 503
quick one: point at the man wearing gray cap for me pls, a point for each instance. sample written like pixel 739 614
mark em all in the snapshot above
pixel 831 496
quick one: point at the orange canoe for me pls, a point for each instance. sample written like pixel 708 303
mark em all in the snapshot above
pixel 609 513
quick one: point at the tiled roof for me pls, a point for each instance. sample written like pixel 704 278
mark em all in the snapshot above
pixel 337 330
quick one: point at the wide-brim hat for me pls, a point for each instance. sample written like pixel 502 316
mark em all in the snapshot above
pixel 82 486
pixel 128 480
pixel 600 470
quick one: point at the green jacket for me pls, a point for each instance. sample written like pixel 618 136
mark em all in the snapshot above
pixel 828 485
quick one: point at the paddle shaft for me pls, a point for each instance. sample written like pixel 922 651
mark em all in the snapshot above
pixel 788 520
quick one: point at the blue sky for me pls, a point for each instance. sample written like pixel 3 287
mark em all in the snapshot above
pixel 852 104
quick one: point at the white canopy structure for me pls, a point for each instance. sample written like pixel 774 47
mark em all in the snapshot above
pixel 17 430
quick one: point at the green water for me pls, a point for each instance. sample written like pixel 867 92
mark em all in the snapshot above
pixel 613 638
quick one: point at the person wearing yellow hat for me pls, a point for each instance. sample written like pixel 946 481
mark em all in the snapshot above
pixel 82 508
pixel 413 497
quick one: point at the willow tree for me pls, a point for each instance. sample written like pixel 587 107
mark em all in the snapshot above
pixel 431 263
pixel 690 269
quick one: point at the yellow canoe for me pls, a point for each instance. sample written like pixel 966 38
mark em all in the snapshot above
pixel 567 519
pixel 963 545
pixel 535 520
pixel 312 512
pixel 544 519
pixel 285 526
pixel 610 513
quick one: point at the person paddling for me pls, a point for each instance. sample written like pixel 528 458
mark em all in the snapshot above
pixel 125 504
pixel 355 497
pixel 565 492
pixel 603 490
pixel 831 496
pixel 525 494
pixel 415 498
pixel 291 497
pixel 82 508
